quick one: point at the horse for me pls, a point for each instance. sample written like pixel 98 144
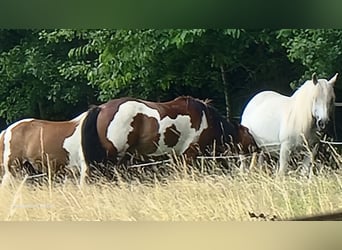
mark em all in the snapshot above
pixel 185 126
pixel 284 123
pixel 43 146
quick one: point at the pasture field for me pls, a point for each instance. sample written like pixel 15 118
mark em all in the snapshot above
pixel 187 194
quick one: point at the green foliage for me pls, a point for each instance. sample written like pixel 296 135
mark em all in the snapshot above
pixel 53 74
pixel 131 59
pixel 318 50
pixel 32 83
pixel 146 63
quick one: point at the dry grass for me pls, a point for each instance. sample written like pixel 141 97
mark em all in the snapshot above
pixel 182 196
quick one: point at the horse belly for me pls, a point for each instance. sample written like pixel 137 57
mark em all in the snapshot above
pixel 266 134
pixel 42 155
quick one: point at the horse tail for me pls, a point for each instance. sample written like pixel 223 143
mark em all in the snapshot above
pixel 91 144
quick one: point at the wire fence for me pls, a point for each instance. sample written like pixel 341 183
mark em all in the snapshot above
pixel 331 142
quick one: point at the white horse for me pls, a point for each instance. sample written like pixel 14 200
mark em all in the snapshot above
pixel 279 122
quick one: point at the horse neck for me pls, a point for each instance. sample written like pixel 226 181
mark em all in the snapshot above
pixel 223 129
pixel 300 114
pixel 229 131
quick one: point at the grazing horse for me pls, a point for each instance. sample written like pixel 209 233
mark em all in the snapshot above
pixel 280 122
pixel 42 144
pixel 184 125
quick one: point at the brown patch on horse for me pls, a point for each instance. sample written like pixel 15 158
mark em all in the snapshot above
pixel 183 105
pixel 206 138
pixel 171 136
pixel 32 140
pixel 192 151
pixel 246 140
pixel 144 137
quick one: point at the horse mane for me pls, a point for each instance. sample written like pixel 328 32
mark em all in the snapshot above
pixel 207 101
pixel 187 97
pixel 225 126
pixel 300 116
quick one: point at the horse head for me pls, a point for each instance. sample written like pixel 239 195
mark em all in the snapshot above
pixel 324 99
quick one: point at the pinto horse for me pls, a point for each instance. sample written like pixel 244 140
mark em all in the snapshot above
pixel 184 125
pixel 42 144
pixel 280 122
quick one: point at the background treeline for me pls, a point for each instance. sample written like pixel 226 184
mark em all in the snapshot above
pixel 56 74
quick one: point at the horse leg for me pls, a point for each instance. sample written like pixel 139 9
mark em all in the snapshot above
pixel 191 152
pixel 253 163
pixel 261 160
pixel 243 163
pixel 284 157
pixel 308 161
pixel 7 178
pixel 84 172
pixel 306 170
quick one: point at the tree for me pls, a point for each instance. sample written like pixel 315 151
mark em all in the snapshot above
pixel 54 74
pixel 160 64
pixel 31 83
pixel 318 50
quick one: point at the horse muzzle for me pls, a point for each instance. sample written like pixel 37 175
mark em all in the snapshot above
pixel 321 124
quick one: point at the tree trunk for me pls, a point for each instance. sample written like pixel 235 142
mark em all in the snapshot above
pixel 225 91
pixel 41 109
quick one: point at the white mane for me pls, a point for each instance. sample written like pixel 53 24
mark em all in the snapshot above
pixel 300 116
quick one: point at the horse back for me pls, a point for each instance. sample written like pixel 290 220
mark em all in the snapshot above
pixel 183 105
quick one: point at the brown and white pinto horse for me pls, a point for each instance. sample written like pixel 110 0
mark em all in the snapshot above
pixel 41 144
pixel 128 126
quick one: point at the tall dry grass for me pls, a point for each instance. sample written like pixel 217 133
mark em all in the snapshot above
pixel 187 193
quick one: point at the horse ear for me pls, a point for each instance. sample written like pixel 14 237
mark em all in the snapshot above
pixel 314 78
pixel 333 79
